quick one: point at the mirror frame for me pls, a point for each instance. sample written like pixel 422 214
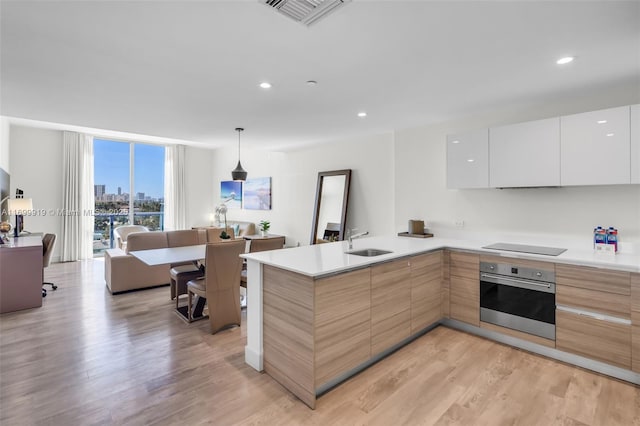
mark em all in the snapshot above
pixel 345 202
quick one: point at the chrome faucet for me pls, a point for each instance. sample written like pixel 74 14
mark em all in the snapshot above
pixel 351 236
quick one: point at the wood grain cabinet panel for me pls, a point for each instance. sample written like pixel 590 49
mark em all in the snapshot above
pixel 594 279
pixel 635 322
pixel 342 323
pixel 390 304
pixel 614 304
pixel 464 265
pixel 426 290
pixel 446 287
pixel 464 287
pixel 597 339
pixel 288 331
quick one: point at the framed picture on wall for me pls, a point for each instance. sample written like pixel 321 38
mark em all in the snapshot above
pixel 256 194
pixel 231 194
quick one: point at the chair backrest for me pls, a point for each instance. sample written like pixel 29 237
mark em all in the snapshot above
pixel 213 234
pixel 264 244
pixel 48 243
pixel 222 279
pixel 181 238
pixel 121 233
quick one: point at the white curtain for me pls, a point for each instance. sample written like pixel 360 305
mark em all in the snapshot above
pixel 77 197
pixel 174 188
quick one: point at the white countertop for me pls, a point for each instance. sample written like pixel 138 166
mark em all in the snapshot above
pixel 324 259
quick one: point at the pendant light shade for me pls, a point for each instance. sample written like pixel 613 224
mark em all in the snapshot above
pixel 239 173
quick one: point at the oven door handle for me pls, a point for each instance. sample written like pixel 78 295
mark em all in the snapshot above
pixel 514 282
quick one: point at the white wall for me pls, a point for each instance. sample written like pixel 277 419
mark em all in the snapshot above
pixel 199 182
pixel 294 177
pixel 36 168
pixel 558 213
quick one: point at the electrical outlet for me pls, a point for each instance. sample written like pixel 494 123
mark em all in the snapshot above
pixel 459 223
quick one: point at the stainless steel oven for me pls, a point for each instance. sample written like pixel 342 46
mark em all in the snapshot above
pixel 519 298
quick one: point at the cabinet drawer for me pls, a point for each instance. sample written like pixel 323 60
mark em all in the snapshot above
pixel 617 305
pixel 601 340
pixel 594 279
pixel 464 265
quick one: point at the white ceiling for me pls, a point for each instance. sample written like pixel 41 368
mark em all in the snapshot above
pixel 190 70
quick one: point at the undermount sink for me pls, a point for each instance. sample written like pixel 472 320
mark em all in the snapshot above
pixel 369 252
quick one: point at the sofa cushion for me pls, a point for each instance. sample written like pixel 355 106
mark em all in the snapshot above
pixel 146 241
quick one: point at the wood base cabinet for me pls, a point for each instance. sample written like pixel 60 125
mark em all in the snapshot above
pixel 342 323
pixel 390 304
pixel 594 338
pixel 426 290
pixel 464 285
pixel 593 315
pixel 635 322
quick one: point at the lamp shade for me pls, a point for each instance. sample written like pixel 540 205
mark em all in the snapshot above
pixel 239 173
pixel 19 206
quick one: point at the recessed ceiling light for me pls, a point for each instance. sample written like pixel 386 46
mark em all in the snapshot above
pixel 362 114
pixel 610 134
pixel 311 82
pixel 565 60
pixel 456 141
pixel 471 160
pixel 265 85
pixel 601 121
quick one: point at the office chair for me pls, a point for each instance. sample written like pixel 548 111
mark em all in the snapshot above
pixel 48 242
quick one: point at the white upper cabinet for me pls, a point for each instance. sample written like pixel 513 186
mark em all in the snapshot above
pixel 596 147
pixel 635 143
pixel 468 160
pixel 525 154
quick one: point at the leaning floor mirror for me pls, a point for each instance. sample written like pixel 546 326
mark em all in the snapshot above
pixel 330 212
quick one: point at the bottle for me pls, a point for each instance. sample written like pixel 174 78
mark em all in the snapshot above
pixel 599 236
pixel 612 238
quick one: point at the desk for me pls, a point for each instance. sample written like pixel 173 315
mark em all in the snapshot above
pixel 21 274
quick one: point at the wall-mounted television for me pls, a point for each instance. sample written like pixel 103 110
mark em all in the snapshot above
pixel 4 192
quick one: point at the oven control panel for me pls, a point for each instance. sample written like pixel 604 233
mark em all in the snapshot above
pixel 509 270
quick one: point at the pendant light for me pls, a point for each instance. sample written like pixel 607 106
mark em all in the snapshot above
pixel 239 173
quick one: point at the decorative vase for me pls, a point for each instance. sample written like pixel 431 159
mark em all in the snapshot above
pixel 263 233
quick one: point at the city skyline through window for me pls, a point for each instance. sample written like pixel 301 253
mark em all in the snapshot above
pixel 129 188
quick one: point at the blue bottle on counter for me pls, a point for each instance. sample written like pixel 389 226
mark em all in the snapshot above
pixel 599 236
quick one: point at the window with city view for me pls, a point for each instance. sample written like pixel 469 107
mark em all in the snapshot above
pixel 129 188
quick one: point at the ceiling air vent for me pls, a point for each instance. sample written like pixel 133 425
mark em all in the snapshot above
pixel 306 12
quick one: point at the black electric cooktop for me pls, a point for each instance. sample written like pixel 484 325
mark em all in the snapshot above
pixel 522 248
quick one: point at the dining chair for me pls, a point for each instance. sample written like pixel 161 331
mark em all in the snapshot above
pixel 213 234
pixel 181 273
pixel 220 284
pixel 261 244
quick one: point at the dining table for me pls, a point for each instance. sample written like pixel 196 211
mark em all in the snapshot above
pixel 170 255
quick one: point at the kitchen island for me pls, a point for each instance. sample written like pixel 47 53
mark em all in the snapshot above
pixel 317 315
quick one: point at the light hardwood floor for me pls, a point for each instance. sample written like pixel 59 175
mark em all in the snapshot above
pixel 87 357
